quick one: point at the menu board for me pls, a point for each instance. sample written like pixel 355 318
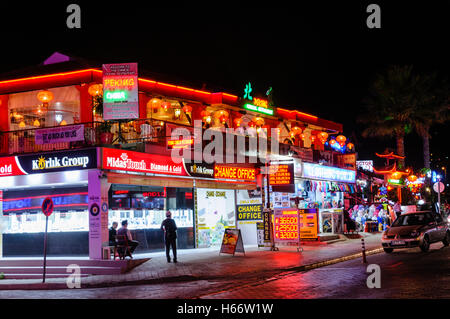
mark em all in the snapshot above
pixel 308 223
pixel 286 225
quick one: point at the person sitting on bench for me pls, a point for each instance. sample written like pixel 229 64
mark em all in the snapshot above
pixel 124 231
pixel 113 234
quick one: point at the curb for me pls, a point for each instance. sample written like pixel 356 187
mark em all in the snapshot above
pixel 184 278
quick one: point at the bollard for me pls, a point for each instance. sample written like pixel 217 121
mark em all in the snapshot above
pixel 363 251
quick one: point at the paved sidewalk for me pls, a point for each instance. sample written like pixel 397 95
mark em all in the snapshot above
pixel 204 264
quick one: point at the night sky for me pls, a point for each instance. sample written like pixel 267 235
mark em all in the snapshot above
pixel 319 59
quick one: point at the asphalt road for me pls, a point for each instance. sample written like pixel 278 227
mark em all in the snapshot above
pixel 404 274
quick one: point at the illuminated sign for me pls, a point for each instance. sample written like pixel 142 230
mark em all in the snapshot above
pixel 228 172
pixel 117 159
pixel 120 91
pixel 308 223
pixel 259 109
pixel 260 102
pixel 249 212
pixel 365 165
pixel 61 201
pixel 281 174
pixel 177 144
pixel 393 181
pixel 328 173
pixel 286 225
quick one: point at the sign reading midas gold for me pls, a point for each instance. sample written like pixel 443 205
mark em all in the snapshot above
pixel 249 212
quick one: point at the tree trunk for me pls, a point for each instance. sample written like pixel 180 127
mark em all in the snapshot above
pixel 401 149
pixel 426 150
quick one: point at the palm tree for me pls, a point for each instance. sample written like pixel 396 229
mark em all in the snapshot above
pixel 390 104
pixel 432 108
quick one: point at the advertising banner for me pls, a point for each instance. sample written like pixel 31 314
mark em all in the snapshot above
pixel 120 91
pixel 60 134
pixel 117 159
pixel 267 226
pixel 309 225
pixel 329 173
pixel 230 172
pixel 232 242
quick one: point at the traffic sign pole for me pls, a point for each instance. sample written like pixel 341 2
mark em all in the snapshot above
pixel 439 196
pixel 45 248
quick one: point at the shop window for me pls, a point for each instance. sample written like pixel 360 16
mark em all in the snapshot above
pixel 27 112
pixel 168 110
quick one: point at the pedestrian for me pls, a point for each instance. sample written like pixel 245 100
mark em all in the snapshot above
pixel 124 231
pixel 170 236
pixel 113 234
pixel 397 209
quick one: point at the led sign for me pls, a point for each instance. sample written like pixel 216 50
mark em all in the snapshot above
pixel 178 144
pixel 281 174
pixel 228 172
pixel 328 173
pixel 286 225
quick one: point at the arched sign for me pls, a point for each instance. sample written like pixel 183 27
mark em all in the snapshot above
pixel 47 206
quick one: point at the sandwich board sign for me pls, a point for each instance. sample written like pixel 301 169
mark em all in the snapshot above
pixel 232 242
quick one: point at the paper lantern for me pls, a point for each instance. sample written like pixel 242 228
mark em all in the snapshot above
pixel 302 136
pixel 341 139
pixel 332 142
pixel 259 121
pixel 45 96
pixel 166 105
pixel 95 89
pixel 295 131
pixel 221 114
pixel 205 113
pixel 322 136
pixel 187 109
pixel 238 121
pixel 350 146
pixel 313 138
pixel 154 104
pixel 412 178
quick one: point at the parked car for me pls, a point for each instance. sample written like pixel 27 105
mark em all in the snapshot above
pixel 416 229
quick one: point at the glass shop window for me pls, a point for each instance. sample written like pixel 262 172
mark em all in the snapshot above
pixel 27 111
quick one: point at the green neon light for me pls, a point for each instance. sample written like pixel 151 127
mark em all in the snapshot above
pixel 258 109
pixel 115 96
pixel 395 182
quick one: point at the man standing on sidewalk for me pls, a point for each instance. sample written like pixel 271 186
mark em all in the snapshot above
pixel 170 236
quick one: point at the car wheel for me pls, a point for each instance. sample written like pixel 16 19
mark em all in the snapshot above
pixel 425 244
pixel 446 240
pixel 388 250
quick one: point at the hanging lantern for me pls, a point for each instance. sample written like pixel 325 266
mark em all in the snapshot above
pixel 313 138
pixel 208 119
pixel 161 123
pixel 220 114
pixel 95 89
pixel 341 139
pixel 295 131
pixel 238 121
pixel 259 121
pixel 166 106
pixel 154 104
pixel 187 108
pixel 412 178
pixel 223 119
pixel 205 113
pixel 45 96
pixel 323 137
pixel 396 175
pixel 332 142
pixel 350 146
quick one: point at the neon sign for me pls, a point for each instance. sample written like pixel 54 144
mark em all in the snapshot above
pixel 178 144
pixel 116 96
pixel 328 173
pixel 259 109
pixel 281 174
pixel 228 172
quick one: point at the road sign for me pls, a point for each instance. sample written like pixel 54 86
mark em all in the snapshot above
pixel 440 185
pixel 47 206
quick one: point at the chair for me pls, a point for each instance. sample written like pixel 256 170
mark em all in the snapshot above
pixel 122 247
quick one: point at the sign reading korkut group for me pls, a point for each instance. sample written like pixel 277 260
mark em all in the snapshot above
pixel 48 162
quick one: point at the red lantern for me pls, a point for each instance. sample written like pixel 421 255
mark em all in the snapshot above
pixel 332 142
pixel 95 89
pixel 313 138
pixel 187 109
pixel 154 104
pixel 238 121
pixel 166 106
pixel 295 131
pixel 341 139
pixel 350 146
pixel 412 178
pixel 323 137
pixel 259 121
pixel 302 136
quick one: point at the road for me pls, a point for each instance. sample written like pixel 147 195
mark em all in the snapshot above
pixel 404 274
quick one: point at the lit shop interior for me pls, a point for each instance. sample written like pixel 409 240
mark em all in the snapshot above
pixel 145 207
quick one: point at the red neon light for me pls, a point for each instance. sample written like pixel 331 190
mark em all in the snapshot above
pixel 55 195
pixel 391 155
pixel 121 192
pixel 298 112
pixel 39 207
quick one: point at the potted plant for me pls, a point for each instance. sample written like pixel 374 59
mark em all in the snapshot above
pixel 103 128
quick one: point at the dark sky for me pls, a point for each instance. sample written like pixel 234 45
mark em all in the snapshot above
pixel 319 59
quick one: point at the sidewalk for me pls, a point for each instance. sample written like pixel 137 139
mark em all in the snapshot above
pixel 207 264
